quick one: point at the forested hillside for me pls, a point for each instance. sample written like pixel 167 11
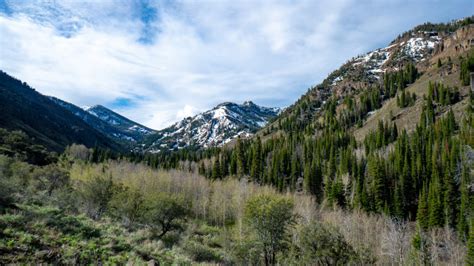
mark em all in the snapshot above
pixel 23 108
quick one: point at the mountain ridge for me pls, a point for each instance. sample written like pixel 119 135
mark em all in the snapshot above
pixel 23 108
pixel 211 128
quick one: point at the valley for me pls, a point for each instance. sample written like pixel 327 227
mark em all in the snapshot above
pixel 374 165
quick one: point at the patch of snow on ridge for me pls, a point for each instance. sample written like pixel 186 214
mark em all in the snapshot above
pixel 371 62
pixel 416 47
pixel 219 113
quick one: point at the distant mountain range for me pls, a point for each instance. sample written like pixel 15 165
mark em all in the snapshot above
pixel 57 123
pixel 212 128
pixel 23 108
pixel 109 123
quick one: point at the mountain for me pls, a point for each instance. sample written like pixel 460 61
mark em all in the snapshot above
pixel 50 124
pixel 212 128
pixel 108 122
pixel 131 130
pixel 417 47
pixel 57 123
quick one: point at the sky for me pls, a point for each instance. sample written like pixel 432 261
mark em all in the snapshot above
pixel 157 62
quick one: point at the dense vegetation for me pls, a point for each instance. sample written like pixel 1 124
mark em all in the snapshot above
pixel 75 211
pixel 467 66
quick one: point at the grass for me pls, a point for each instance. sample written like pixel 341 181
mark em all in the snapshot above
pixel 42 234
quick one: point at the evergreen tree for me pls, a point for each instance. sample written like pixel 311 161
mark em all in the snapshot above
pixel 422 215
pixel 216 169
pixel 377 188
pixel 256 168
pixel 465 205
pixel 436 217
pixel 240 158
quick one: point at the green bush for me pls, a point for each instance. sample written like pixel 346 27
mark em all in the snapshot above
pixel 320 244
pixel 95 195
pixel 201 253
pixel 164 213
pixel 270 216
pixel 127 205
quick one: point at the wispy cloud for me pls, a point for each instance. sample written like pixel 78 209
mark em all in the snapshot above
pixel 159 61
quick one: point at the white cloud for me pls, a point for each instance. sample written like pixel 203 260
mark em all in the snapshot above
pixel 202 53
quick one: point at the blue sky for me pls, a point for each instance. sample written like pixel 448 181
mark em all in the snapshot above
pixel 157 62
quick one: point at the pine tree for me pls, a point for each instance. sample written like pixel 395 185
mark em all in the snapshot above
pixel 216 169
pixel 202 169
pixel 422 215
pixel 450 200
pixel 464 206
pixel 240 158
pixel 398 205
pixel 256 166
pixel 435 207
pixel 308 178
pixel 377 188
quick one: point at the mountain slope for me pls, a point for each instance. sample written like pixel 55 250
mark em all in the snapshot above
pixel 398 142
pixel 22 108
pixel 212 128
pixel 129 127
pixel 416 47
pixel 109 123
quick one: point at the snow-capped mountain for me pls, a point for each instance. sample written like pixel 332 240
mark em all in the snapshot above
pixel 130 130
pixel 108 122
pixel 212 128
pixel 413 46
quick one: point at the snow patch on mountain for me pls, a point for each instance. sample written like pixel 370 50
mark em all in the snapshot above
pixel 414 48
pixel 213 128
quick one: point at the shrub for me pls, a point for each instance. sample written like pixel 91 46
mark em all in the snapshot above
pixel 164 212
pixel 324 245
pixel 128 206
pixel 96 194
pixel 50 178
pixel 270 216
pixel 201 253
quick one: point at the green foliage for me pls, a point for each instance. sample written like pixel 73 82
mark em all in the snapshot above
pixel 17 144
pixel 399 80
pixel 442 94
pixel 47 235
pixel 405 100
pixel 51 178
pixel 127 205
pixel 270 217
pixel 422 215
pixel 95 195
pixel 164 213
pixel 467 66
pixel 320 244
pixel 201 253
